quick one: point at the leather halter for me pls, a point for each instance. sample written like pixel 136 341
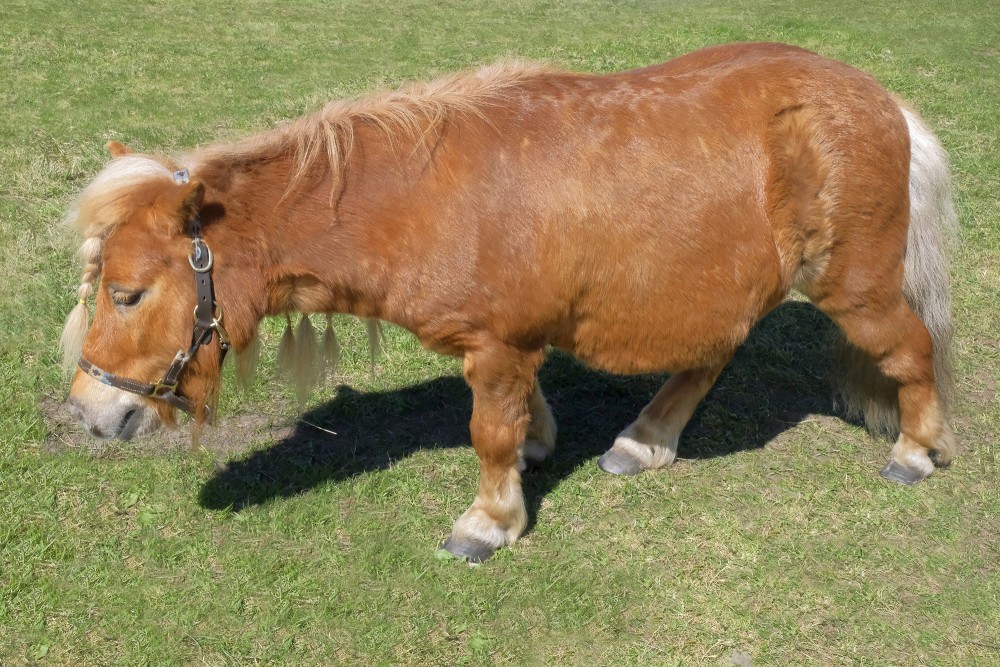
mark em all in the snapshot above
pixel 205 323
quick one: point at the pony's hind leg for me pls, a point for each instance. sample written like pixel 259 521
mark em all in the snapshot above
pixel 900 345
pixel 503 384
pixel 651 440
pixel 541 436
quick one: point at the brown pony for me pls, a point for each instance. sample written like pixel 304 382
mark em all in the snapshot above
pixel 643 221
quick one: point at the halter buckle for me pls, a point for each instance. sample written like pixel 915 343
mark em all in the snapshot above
pixel 198 247
pixel 216 323
pixel 221 331
pixel 159 388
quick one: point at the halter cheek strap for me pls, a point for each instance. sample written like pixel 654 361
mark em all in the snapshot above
pixel 207 320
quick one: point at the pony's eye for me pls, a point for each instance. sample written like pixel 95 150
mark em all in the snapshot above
pixel 125 297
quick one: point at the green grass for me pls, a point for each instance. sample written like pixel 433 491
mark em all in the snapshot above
pixel 773 537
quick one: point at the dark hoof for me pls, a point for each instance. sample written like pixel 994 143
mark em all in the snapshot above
pixel 618 463
pixel 472 551
pixel 896 472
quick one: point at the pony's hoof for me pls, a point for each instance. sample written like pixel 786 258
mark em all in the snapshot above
pixel 469 550
pixel 896 472
pixel 617 463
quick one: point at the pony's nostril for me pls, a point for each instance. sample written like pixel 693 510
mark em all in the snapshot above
pixel 76 411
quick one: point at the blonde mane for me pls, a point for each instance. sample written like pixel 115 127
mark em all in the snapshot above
pixel 110 198
pixel 410 112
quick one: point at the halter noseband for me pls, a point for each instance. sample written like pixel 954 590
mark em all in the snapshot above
pixel 205 323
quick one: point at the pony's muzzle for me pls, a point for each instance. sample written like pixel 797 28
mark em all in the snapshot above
pixel 108 413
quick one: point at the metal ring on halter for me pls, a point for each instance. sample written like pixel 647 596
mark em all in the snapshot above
pixel 198 244
pixel 216 315
pixel 216 324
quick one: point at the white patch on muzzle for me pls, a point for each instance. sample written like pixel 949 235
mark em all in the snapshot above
pixel 110 413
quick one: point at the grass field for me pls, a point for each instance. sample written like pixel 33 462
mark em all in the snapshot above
pixel 772 541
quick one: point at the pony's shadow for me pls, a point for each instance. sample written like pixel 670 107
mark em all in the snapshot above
pixel 777 378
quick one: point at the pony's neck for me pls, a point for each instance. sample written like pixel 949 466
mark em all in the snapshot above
pixel 314 240
pixel 347 210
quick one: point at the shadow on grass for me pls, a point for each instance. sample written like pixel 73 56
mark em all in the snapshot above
pixel 778 377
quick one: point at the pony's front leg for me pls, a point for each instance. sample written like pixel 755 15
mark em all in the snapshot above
pixel 502 381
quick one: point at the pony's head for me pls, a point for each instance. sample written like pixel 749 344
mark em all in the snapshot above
pixel 136 219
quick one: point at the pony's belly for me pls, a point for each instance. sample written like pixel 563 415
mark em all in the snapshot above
pixel 669 330
pixel 628 346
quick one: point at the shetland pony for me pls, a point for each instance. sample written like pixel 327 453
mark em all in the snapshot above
pixel 643 221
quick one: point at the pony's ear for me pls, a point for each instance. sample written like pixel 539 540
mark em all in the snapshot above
pixel 192 197
pixel 117 149
pixel 178 205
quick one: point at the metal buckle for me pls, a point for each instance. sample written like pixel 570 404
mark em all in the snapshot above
pixel 216 323
pixel 221 331
pixel 198 243
pixel 159 389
